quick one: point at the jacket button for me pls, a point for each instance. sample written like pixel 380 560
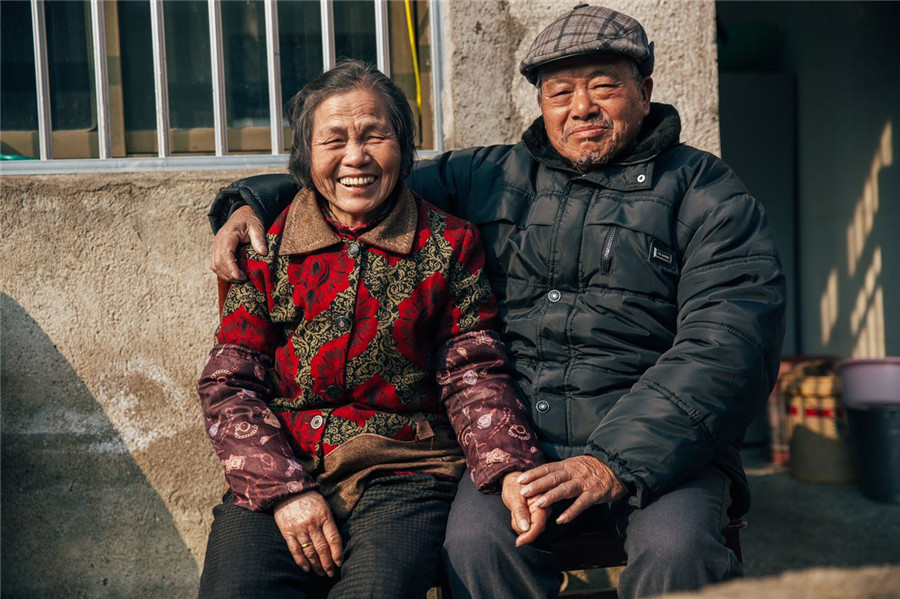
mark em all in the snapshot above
pixel 641 178
pixel 342 323
pixel 543 406
pixel 317 421
pixel 333 391
pixel 354 250
pixel 554 296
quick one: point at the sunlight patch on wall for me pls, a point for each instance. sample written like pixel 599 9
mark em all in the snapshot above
pixel 867 206
pixel 865 322
pixel 828 306
pixel 867 314
pixel 867 317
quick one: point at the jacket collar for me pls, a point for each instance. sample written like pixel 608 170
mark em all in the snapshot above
pixel 306 230
pixel 660 130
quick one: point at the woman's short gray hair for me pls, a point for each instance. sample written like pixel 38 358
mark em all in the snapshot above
pixel 345 76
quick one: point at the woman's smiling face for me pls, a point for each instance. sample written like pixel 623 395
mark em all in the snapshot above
pixel 355 158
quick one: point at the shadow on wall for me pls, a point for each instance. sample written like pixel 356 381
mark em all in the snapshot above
pixel 79 519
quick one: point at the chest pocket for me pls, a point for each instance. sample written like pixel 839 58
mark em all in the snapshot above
pixel 628 244
pixel 513 228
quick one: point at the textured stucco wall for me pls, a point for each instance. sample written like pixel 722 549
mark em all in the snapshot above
pixel 487 101
pixel 108 311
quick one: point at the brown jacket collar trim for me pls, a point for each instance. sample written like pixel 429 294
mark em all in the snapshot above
pixel 306 230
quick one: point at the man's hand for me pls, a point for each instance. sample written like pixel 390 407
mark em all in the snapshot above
pixel 242 227
pixel 526 518
pixel 583 478
pixel 306 523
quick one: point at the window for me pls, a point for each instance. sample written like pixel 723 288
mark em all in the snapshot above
pixel 211 95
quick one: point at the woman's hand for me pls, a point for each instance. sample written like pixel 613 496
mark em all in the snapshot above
pixel 306 523
pixel 242 227
pixel 526 518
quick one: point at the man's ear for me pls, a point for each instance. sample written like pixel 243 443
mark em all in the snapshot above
pixel 646 93
pixel 539 98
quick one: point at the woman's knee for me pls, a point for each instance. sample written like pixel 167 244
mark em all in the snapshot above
pixel 230 570
pixel 367 575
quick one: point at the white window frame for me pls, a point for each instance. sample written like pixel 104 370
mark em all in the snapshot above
pixel 165 161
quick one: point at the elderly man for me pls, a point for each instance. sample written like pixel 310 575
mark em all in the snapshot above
pixel 642 302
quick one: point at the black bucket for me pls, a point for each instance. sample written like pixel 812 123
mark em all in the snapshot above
pixel 875 431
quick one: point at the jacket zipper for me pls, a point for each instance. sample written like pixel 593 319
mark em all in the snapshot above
pixel 606 258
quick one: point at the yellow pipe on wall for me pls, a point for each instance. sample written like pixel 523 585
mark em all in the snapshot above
pixel 415 56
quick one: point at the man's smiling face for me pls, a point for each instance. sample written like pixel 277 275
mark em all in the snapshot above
pixel 592 107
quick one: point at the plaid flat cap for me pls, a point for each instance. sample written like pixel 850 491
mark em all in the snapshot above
pixel 586 30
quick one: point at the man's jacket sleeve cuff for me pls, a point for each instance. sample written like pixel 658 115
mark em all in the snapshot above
pixel 268 195
pixel 638 494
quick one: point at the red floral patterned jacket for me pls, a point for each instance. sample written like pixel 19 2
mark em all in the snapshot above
pixel 343 356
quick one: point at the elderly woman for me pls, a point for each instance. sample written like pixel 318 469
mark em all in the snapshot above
pixel 357 370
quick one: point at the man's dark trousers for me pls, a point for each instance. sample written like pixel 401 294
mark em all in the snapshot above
pixel 673 544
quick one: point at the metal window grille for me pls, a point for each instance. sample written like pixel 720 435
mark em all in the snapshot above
pixel 165 160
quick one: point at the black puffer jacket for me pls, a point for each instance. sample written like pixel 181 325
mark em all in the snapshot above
pixel 642 302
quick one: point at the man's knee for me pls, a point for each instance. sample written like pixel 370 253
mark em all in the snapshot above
pixel 477 523
pixel 676 560
pixel 673 545
pixel 474 538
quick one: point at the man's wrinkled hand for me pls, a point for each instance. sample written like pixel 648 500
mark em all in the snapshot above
pixel 308 528
pixel 584 478
pixel 526 518
pixel 242 227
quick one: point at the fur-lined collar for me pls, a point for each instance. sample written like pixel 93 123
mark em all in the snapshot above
pixel 660 130
pixel 306 230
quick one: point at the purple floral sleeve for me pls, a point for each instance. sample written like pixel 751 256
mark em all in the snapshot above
pixel 490 421
pixel 254 450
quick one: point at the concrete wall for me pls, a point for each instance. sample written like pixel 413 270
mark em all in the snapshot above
pixel 108 311
pixel 487 101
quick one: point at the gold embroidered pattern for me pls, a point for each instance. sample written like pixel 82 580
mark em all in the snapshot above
pixel 389 285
